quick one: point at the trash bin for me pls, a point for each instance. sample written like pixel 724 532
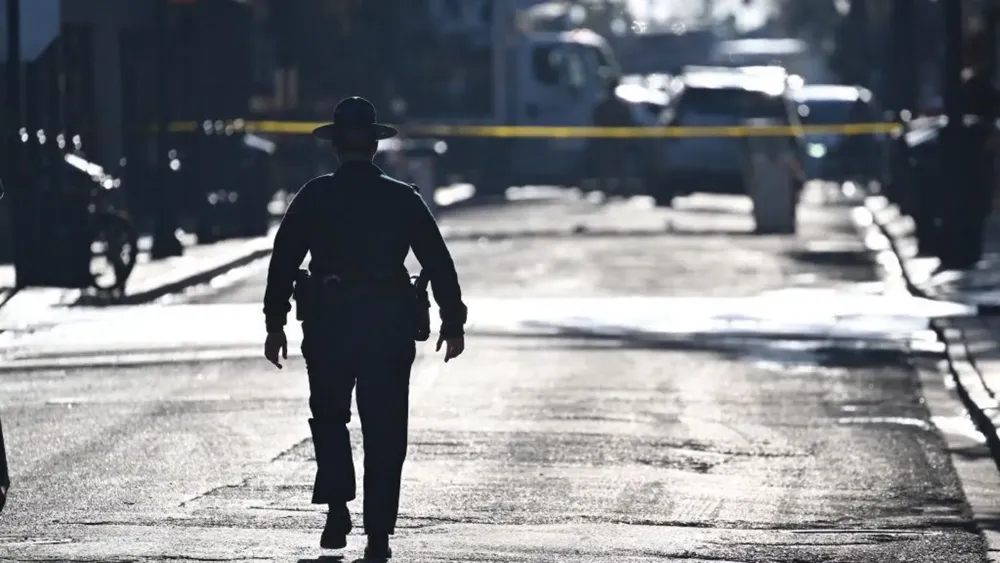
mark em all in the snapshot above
pixel 920 188
pixel 771 181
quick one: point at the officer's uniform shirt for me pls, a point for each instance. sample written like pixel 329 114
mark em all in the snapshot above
pixel 359 224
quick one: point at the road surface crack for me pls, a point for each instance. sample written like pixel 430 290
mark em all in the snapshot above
pixel 207 559
pixel 242 484
pixel 64 560
pixel 291 449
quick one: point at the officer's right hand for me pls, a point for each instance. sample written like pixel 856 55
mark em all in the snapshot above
pixel 273 344
pixel 3 497
pixel 454 347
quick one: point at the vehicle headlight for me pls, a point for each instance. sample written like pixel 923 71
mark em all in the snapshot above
pixel 816 150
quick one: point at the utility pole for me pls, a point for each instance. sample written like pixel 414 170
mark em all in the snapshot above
pixel 990 37
pixel 955 177
pixel 18 191
pixel 494 179
pixel 165 242
pixel 904 83
pixel 858 20
pixel 907 73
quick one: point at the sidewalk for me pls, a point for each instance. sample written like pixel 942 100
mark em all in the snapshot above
pixel 972 347
pixel 972 341
pixel 971 344
pixel 885 229
pixel 150 280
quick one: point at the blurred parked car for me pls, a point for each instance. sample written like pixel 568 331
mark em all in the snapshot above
pixel 724 98
pixel 834 155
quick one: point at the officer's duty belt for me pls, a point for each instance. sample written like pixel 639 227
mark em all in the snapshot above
pixel 333 280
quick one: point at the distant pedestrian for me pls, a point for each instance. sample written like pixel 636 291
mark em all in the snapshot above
pixel 611 154
pixel 359 316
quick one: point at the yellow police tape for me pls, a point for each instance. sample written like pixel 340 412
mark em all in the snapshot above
pixel 549 132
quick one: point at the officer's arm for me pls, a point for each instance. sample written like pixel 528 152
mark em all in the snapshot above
pixel 4 473
pixel 429 248
pixel 290 247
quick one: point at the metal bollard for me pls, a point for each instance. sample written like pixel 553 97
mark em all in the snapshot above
pixel 771 182
pixel 924 186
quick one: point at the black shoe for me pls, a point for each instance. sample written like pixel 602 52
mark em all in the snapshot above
pixel 378 548
pixel 338 525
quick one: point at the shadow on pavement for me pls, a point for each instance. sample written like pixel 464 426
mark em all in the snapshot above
pixel 989 522
pixel 712 211
pixel 785 349
pixel 834 257
pixel 325 559
pixel 582 231
pixel 972 453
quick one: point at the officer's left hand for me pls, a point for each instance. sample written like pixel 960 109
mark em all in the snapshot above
pixel 3 497
pixel 275 343
pixel 454 347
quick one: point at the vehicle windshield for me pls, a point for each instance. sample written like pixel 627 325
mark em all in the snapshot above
pixel 733 102
pixel 833 112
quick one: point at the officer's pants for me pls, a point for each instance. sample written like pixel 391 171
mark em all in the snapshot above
pixel 373 350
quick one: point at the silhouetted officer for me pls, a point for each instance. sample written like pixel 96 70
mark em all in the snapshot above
pixel 611 154
pixel 358 315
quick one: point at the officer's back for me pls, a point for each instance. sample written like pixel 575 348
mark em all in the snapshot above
pixel 363 221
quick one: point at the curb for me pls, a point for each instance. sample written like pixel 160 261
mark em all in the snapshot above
pixel 196 278
pixel 171 284
pixel 31 303
pixel 892 225
pixel 977 398
pixel 258 249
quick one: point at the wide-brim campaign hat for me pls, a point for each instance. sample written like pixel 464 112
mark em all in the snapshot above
pixel 355 114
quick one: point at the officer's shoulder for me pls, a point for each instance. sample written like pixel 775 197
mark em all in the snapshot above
pixel 313 185
pixel 399 185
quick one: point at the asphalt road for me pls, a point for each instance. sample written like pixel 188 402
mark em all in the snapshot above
pixel 572 245
pixel 631 392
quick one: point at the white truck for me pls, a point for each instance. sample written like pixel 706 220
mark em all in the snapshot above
pixel 552 79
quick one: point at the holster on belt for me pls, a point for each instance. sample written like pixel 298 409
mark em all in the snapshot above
pixel 309 299
pixel 422 308
pixel 306 295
